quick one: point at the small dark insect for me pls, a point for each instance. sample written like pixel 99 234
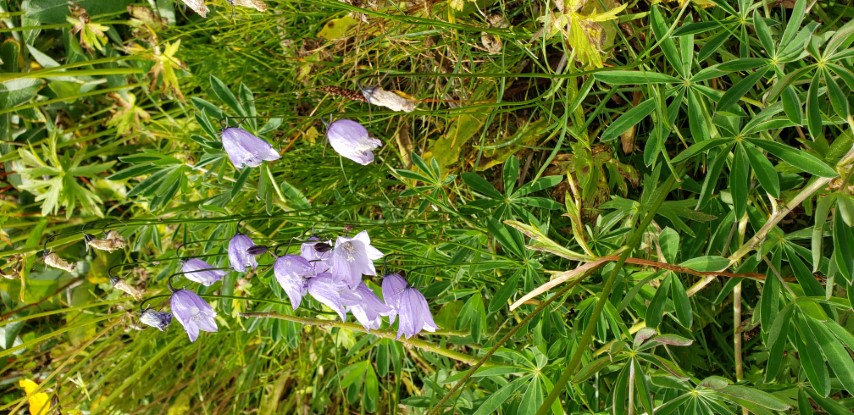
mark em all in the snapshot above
pixel 322 247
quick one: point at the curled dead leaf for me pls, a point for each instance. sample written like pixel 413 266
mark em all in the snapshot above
pixel 128 289
pixel 198 6
pixel 255 4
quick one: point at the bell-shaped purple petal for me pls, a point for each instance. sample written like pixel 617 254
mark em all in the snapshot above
pixel 318 253
pixel 349 139
pixel 157 319
pixel 369 311
pixel 354 257
pixel 244 149
pixel 414 314
pixel 193 313
pixel 238 253
pixel 333 294
pixel 292 272
pixel 393 286
pixel 201 272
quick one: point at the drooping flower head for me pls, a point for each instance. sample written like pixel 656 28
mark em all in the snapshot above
pixel 244 149
pixel 349 139
pixel 238 253
pixel 292 273
pixel 332 293
pixel 410 304
pixel 354 257
pixel 369 311
pixel 201 272
pixel 157 319
pixel 193 313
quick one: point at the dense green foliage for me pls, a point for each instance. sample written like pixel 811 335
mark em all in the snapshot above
pixel 681 172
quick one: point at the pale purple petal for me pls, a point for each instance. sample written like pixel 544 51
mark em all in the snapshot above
pixel 393 286
pixel 291 272
pixel 201 272
pixel 351 140
pixel 369 311
pixel 193 313
pixel 333 294
pixel 245 149
pixel 238 253
pixel 414 314
pixel 319 254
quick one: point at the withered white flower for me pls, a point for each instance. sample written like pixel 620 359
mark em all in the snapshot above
pixel 113 241
pixel 55 261
pixel 378 96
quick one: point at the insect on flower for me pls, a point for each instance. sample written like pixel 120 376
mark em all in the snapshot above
pixel 351 140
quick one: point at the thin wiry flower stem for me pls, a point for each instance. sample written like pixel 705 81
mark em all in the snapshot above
pixel 384 334
pixel 587 336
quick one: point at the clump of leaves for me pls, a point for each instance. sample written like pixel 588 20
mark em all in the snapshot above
pixel 59 181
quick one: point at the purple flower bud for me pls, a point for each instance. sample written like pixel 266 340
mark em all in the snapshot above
pixel 193 313
pixel 157 319
pixel 318 254
pixel 201 272
pixel 349 139
pixel 244 149
pixel 410 304
pixel 257 250
pixel 332 293
pixel 238 253
pixel 369 310
pixel 291 272
pixel 353 257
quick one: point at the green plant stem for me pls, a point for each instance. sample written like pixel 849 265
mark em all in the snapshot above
pixel 500 342
pixel 384 334
pixel 587 337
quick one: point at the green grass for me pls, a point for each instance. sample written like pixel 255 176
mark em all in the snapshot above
pixel 714 136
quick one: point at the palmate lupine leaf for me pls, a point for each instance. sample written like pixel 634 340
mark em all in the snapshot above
pixel 54 180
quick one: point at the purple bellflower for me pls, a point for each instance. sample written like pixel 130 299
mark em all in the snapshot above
pixel 354 257
pixel 157 319
pixel 292 273
pixel 201 272
pixel 369 311
pixel 349 139
pixel 330 292
pixel 193 313
pixel 410 304
pixel 238 253
pixel 244 149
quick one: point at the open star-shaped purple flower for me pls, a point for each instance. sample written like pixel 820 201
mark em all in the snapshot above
pixel 354 257
pixel 193 313
pixel 409 304
pixel 201 272
pixel 351 140
pixel 244 149
pixel 238 253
